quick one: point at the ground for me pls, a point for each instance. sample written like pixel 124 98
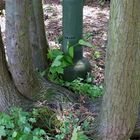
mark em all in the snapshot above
pixel 95 25
pixel 95 20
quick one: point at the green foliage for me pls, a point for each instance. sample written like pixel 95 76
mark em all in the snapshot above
pixel 72 129
pixel 59 62
pixel 86 43
pixel 79 86
pixel 77 134
pixel 97 54
pixel 102 2
pixel 18 125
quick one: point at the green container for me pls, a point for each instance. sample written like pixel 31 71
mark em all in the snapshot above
pixel 73 26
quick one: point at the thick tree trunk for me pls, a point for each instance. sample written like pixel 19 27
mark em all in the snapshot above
pixel 40 62
pixel 39 21
pixel 38 36
pixel 9 95
pixel 122 69
pixel 19 54
pixel 94 106
pixel 18 47
pixel 122 75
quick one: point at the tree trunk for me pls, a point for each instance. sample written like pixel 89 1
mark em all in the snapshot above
pixel 9 95
pixel 39 59
pixel 121 99
pixel 18 47
pixel 122 74
pixel 38 35
pixel 19 55
pixel 94 106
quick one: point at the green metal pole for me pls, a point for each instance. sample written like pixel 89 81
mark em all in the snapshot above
pixel 72 33
pixel 73 26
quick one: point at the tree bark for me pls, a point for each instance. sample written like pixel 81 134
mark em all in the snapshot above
pixel 122 76
pixel 18 47
pixel 38 36
pixel 94 106
pixel 9 95
pixel 39 61
pixel 18 50
pixel 121 99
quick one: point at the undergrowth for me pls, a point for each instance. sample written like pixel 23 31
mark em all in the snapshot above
pixel 21 125
pixel 60 60
pixel 18 125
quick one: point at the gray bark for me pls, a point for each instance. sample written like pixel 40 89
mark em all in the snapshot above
pixel 18 47
pixel 122 76
pixel 94 106
pixel 38 36
pixel 9 95
pixel 39 18
pixel 121 99
pixel 19 53
pixel 34 40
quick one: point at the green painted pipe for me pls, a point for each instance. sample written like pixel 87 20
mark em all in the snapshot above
pixel 72 33
pixel 73 26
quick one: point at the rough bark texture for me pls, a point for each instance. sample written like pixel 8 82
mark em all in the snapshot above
pixel 37 35
pixel 122 75
pixel 34 40
pixel 121 99
pixel 18 46
pixel 94 106
pixel 39 21
pixel 19 55
pixel 9 95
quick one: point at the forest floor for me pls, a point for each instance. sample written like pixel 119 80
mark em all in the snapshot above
pixel 96 17
pixel 95 26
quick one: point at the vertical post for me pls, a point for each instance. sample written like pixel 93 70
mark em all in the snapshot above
pixel 72 33
pixel 73 26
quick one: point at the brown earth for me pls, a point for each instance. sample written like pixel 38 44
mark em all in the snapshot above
pixel 95 19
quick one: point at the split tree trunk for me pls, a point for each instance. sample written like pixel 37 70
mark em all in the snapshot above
pixel 20 44
pixel 9 95
pixel 19 54
pixel 39 20
pixel 38 36
pixel 18 47
pixel 122 69
pixel 122 75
